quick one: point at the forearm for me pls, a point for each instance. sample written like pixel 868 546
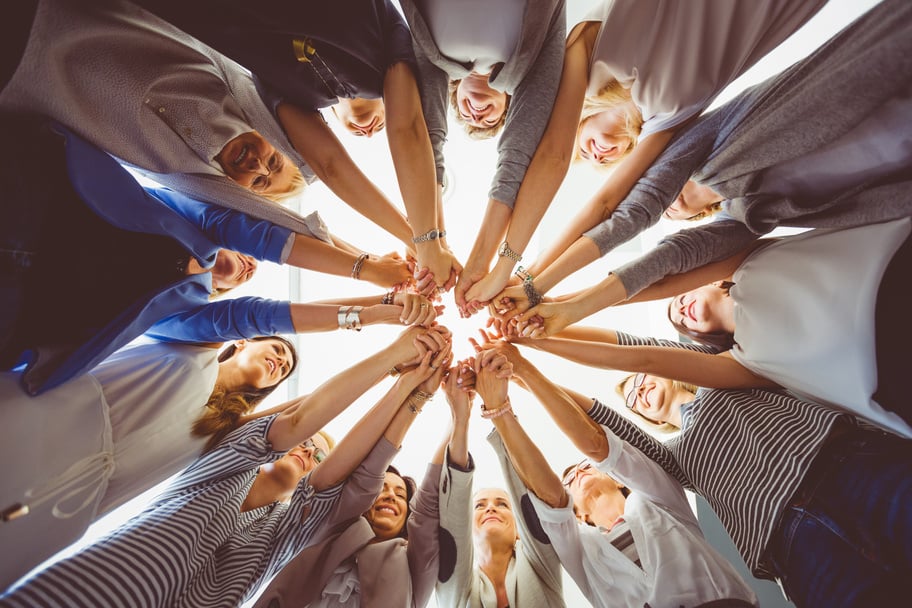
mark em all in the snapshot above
pixel 313 254
pixel 361 439
pixel 308 414
pixel 410 147
pixel 459 442
pixel 583 333
pixel 567 412
pixel 491 233
pixel 529 463
pixel 582 253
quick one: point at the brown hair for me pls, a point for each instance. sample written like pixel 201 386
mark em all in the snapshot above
pixel 225 408
pixel 474 131
pixel 613 96
pixel 721 340
pixel 410 489
pixel 665 427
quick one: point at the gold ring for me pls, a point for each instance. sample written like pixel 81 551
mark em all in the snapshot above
pixel 424 305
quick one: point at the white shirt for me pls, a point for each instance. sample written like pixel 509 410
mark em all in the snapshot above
pixel 804 315
pixel 679 568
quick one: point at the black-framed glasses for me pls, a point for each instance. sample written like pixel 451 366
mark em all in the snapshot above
pixel 318 454
pixel 630 398
pixel 572 473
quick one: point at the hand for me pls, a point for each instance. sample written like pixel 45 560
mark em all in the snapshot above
pixel 544 320
pixel 389 271
pixel 482 292
pixel 471 275
pixel 492 374
pixel 441 263
pixel 440 363
pixel 410 346
pixel 509 303
pixel 459 388
pixel 425 285
pixel 509 351
pixel 416 309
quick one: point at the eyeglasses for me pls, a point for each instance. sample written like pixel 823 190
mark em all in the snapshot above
pixel 318 454
pixel 574 472
pixel 630 398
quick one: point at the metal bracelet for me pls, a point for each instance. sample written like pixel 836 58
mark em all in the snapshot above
pixel 356 268
pixel 535 298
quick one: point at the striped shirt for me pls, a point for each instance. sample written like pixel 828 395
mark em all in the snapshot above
pixel 192 546
pixel 745 451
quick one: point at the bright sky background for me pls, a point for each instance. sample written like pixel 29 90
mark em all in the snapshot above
pixel 471 164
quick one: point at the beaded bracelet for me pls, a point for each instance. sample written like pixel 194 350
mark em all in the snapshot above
pixel 533 295
pixel 412 406
pixel 356 269
pixel 497 412
pixel 420 394
pixel 388 297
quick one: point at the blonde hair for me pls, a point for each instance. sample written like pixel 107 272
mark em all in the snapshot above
pixel 296 186
pixel 473 131
pixel 327 438
pixel 664 427
pixel 710 210
pixel 613 97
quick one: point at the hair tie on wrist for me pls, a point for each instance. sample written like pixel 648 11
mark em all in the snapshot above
pixel 496 412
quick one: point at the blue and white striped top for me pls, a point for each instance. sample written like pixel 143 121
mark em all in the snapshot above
pixel 192 546
pixel 745 451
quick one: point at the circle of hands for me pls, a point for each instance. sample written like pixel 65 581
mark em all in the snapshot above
pixel 511 316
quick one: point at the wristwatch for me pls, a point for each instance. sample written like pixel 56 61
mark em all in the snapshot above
pixel 430 235
pixel 506 252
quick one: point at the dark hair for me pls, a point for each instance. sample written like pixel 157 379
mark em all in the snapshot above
pixel 410 488
pixel 721 340
pixel 474 131
pixel 224 409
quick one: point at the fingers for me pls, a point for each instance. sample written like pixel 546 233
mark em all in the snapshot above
pixel 454 275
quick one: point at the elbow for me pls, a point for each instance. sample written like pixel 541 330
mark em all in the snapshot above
pixel 594 446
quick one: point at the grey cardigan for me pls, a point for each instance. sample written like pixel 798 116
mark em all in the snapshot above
pixel 531 76
pixel 790 115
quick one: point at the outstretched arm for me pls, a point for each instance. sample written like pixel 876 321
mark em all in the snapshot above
pixel 322 150
pixel 410 147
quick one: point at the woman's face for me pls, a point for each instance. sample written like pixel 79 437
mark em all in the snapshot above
pixel 291 468
pixel 694 199
pixel 602 137
pixel 362 117
pixel 261 363
pixel 653 399
pixel 388 513
pixel 479 104
pixel 708 309
pixel 255 164
pixel 232 269
pixel 493 516
pixel 586 484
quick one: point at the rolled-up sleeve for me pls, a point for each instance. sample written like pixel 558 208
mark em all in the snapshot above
pixel 233 319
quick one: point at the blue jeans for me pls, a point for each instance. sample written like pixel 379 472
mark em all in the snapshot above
pixel 846 539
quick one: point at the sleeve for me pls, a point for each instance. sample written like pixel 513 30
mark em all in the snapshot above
pixel 361 488
pixel 232 319
pixel 229 228
pixel 643 475
pixel 528 114
pixel 626 430
pixel 629 340
pixel 685 250
pixel 537 546
pixel 657 188
pixel 457 555
pixel 561 525
pixel 398 38
pixel 423 550
pixel 432 85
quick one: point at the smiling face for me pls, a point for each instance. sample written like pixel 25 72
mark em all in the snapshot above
pixel 477 103
pixel 362 117
pixel 493 521
pixel 708 309
pixel 232 269
pixel 603 137
pixel 255 164
pixel 286 472
pixel 588 486
pixel 259 364
pixel 654 398
pixel 694 202
pixel 388 513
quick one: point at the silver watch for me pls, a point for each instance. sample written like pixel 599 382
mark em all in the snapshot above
pixel 430 235
pixel 506 252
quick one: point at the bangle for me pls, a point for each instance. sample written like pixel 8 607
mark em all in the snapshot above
pixel 350 317
pixel 497 412
pixel 413 408
pixel 524 274
pixel 533 295
pixel 420 394
pixel 394 371
pixel 356 269
pixel 388 297
pixel 506 252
